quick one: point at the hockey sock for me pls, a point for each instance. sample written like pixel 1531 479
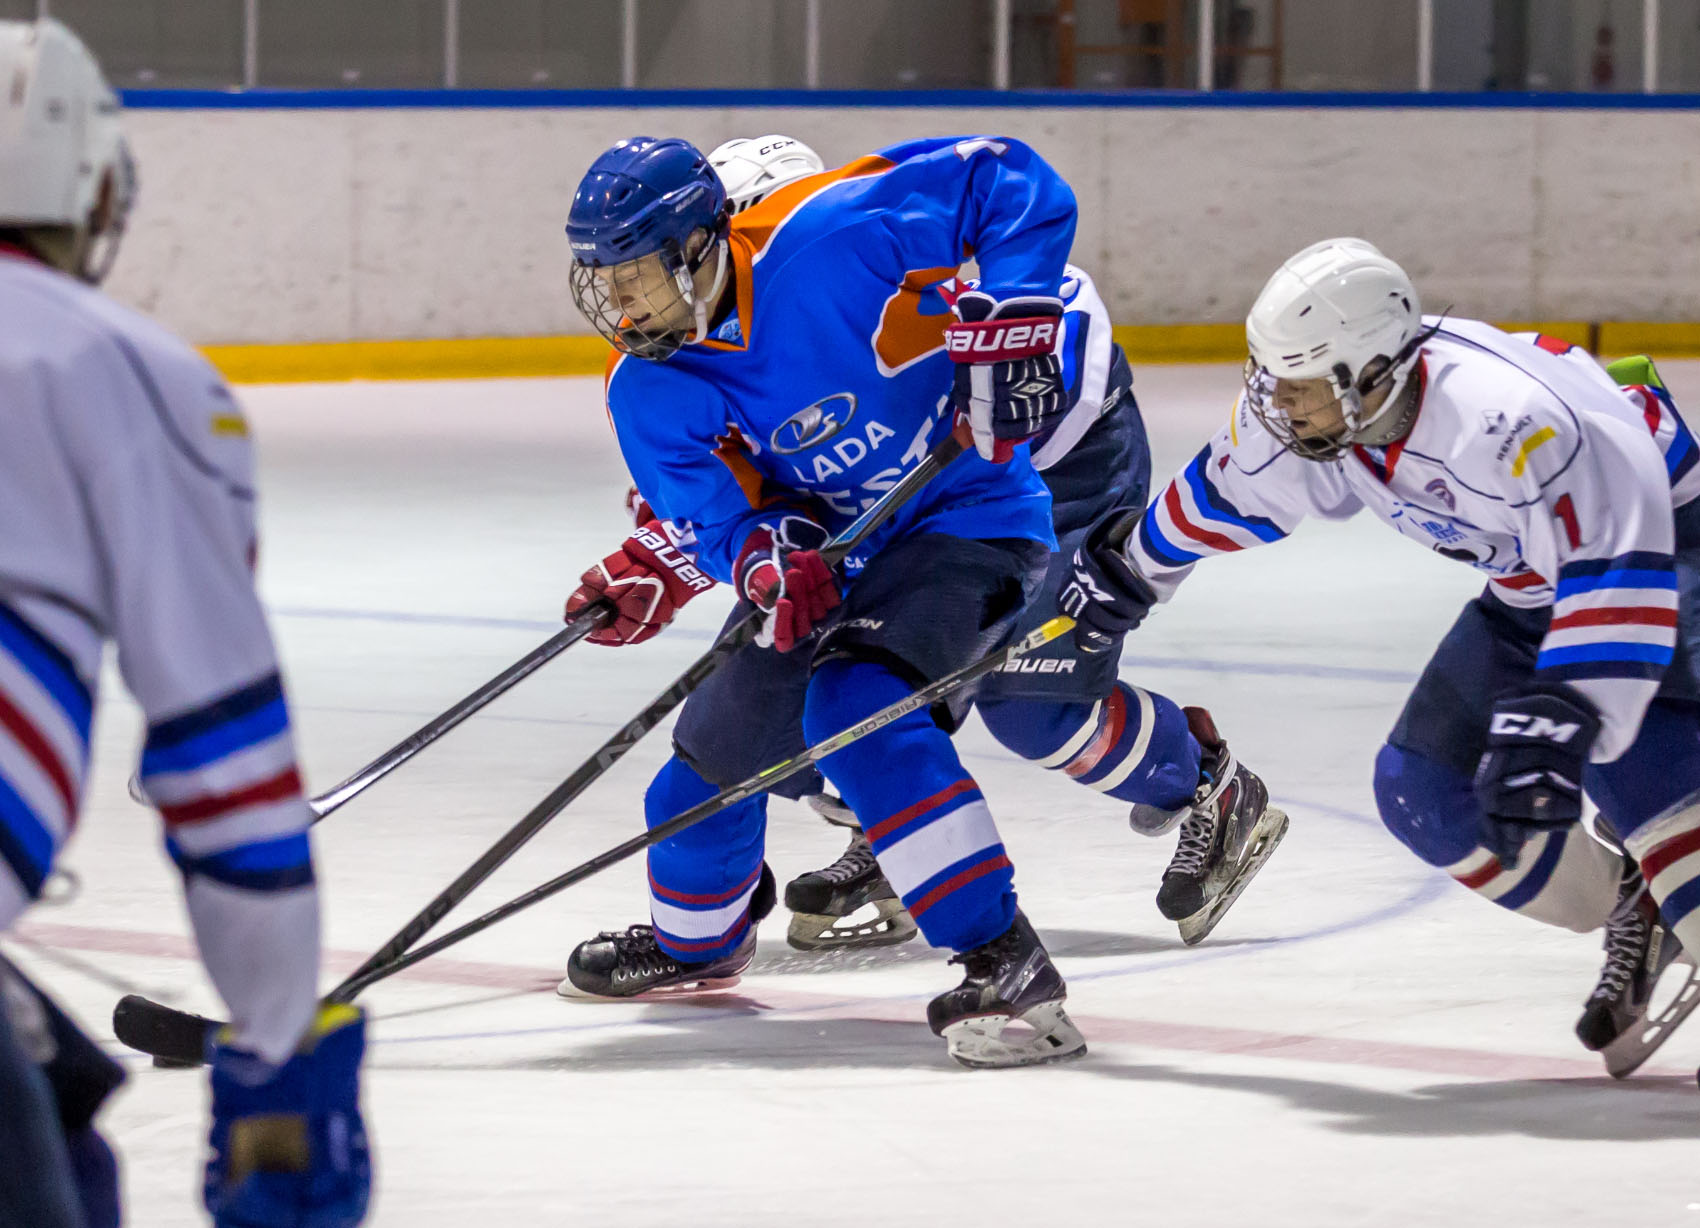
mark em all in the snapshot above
pixel 1133 744
pixel 701 880
pixel 1651 794
pixel 928 823
pixel 1564 878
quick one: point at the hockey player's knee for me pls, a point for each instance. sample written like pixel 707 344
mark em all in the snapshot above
pixel 1134 745
pixel 676 788
pixel 844 692
pixel 1032 729
pixel 1428 806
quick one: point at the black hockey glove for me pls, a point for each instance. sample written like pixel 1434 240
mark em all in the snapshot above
pixel 1530 776
pixel 1105 596
pixel 1009 382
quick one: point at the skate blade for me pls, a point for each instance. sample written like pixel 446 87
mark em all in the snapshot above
pixel 1625 1055
pixel 684 989
pixel 1271 826
pixel 820 932
pixel 982 1043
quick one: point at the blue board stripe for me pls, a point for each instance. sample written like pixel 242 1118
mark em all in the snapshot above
pixel 532 99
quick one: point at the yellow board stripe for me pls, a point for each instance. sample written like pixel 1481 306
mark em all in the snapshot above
pixel 490 357
pixel 1529 445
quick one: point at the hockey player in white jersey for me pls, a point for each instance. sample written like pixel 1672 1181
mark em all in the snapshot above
pixel 1573 671
pixel 127 495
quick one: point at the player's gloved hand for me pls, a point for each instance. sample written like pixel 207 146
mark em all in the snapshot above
pixel 1530 776
pixel 288 1145
pixel 1009 382
pixel 646 580
pixel 1105 596
pixel 781 570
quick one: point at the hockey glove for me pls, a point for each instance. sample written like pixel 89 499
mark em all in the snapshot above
pixel 1105 596
pixel 1009 382
pixel 1530 776
pixel 780 569
pixel 646 580
pixel 288 1145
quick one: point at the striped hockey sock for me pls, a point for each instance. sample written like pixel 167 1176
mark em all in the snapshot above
pixel 1133 744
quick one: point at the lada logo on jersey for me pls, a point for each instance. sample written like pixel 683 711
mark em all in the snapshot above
pixel 816 424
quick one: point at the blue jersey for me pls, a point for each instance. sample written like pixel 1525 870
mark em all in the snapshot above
pixel 831 380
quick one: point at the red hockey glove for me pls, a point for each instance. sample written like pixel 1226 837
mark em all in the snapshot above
pixel 646 580
pixel 1009 383
pixel 780 569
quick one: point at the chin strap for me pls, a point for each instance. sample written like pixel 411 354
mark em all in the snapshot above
pixel 700 304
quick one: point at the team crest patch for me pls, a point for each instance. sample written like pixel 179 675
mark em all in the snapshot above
pixel 1441 491
pixel 813 425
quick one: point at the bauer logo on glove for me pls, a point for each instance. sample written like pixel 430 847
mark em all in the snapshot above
pixel 1009 383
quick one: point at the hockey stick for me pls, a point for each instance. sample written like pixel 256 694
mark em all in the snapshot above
pixel 592 618
pixel 180 1038
pixel 170 1034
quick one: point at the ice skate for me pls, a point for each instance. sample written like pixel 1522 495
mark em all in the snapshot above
pixel 631 964
pixel 822 901
pixel 1010 980
pixel 1618 1020
pixel 1230 831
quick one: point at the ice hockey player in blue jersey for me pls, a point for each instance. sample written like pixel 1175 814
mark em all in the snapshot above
pixel 1063 708
pixel 126 489
pixel 777 372
pixel 1576 490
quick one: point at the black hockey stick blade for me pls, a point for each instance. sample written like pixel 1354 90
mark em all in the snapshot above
pixel 761 782
pixel 183 1032
pixel 178 1039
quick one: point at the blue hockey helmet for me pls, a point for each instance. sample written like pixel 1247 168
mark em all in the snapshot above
pixel 647 216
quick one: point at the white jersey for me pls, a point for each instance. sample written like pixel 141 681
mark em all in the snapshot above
pixel 1086 358
pixel 126 495
pixel 1527 462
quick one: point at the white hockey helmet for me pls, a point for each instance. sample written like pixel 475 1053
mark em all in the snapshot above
pixel 66 178
pixel 753 166
pixel 1338 311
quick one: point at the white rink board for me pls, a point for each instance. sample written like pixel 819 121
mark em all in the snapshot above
pixel 1363 1042
pixel 295 226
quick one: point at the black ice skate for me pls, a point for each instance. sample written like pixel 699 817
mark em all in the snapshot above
pixel 1230 831
pixel 630 963
pixel 821 901
pixel 1009 979
pixel 1617 1020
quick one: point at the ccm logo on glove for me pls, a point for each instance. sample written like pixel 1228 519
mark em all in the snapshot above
pixel 1524 725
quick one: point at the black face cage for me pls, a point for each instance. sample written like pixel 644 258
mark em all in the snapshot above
pixel 595 289
pixel 1260 399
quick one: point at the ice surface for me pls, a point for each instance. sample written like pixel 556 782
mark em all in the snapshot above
pixel 1362 1041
